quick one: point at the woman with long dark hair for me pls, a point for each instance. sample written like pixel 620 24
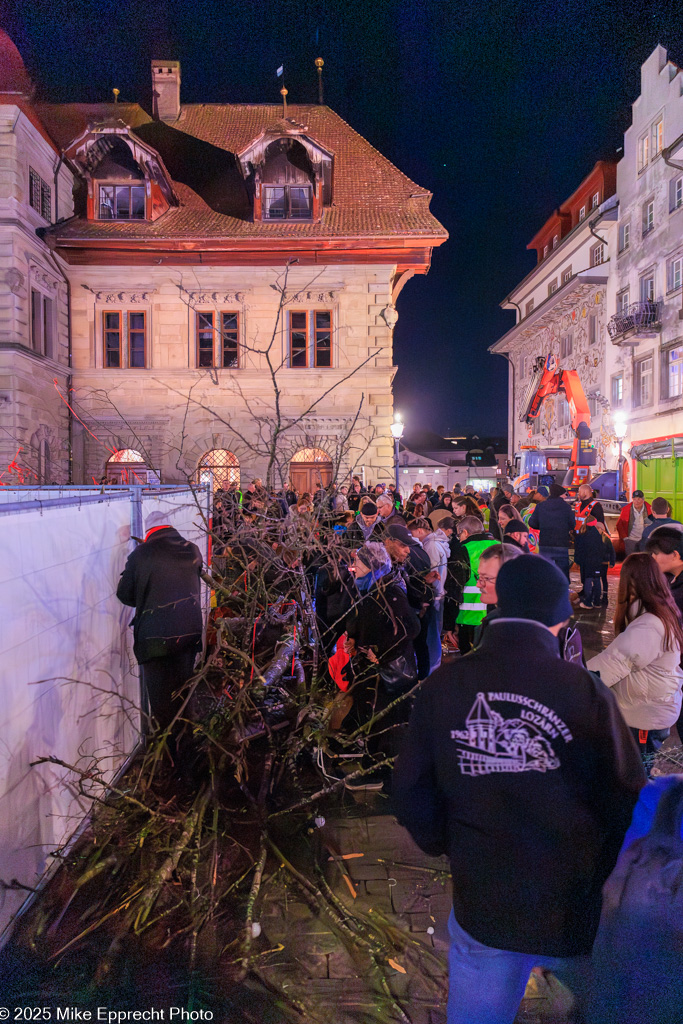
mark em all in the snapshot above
pixel 506 513
pixel 642 663
pixel 465 505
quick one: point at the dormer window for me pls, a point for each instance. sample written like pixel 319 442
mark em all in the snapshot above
pixel 287 202
pixel 122 202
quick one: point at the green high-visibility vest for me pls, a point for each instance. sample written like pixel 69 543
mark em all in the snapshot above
pixel 472 610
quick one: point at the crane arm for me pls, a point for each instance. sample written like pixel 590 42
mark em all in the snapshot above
pixel 578 403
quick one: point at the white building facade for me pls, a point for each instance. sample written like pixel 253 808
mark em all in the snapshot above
pixel 645 355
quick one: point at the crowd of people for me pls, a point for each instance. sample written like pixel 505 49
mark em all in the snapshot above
pixel 515 757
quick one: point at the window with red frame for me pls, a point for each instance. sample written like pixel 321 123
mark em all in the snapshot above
pixel 310 338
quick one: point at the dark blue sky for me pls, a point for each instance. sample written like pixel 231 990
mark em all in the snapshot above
pixel 499 107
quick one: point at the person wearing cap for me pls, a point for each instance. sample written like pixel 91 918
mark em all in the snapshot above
pixel 554 519
pixel 520 767
pixel 161 580
pixel 366 526
pixel 517 532
pixel 632 521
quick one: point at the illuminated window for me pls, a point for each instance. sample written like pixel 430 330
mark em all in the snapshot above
pixel 657 137
pixel 595 202
pixel 218 465
pixel 566 275
pixel 556 239
pixel 643 151
pixel 617 391
pixel 672 372
pixel 582 213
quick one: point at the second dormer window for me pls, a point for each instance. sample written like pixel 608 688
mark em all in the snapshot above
pixel 122 202
pixel 287 202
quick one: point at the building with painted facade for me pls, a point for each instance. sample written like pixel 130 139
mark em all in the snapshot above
pixel 562 310
pixel 224 280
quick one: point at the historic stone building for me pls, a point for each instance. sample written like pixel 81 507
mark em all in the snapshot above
pixel 561 310
pixel 231 273
pixel 35 189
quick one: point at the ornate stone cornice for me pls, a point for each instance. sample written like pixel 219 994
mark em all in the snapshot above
pixel 312 295
pixel 111 298
pixel 217 298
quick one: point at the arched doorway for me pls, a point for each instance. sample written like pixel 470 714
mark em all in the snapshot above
pixel 224 466
pixel 127 466
pixel 310 469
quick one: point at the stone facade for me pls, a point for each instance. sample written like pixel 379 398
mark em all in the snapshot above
pixel 33 360
pixel 192 237
pixel 346 409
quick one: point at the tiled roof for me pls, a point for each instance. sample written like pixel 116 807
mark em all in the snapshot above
pixel 371 197
pixel 13 75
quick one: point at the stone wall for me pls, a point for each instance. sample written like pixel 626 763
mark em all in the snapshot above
pixel 173 412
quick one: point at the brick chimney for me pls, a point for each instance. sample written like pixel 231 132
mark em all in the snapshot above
pixel 166 89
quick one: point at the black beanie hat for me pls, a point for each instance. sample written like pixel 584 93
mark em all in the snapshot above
pixel 531 587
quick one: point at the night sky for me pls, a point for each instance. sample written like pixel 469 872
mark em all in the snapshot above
pixel 499 108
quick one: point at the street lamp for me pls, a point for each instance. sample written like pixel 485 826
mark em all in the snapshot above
pixel 620 428
pixel 397 434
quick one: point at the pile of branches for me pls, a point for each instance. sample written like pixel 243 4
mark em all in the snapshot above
pixel 164 893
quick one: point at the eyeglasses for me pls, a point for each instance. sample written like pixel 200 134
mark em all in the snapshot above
pixel 485 579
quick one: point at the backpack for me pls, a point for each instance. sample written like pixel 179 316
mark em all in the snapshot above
pixel 571 645
pixel 638 952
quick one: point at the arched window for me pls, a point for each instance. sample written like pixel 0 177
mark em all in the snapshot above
pixel 127 466
pixel 224 466
pixel 311 455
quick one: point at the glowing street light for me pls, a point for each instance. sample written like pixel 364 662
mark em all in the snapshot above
pixel 397 434
pixel 620 429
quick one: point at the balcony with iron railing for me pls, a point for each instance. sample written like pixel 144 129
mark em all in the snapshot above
pixel 638 319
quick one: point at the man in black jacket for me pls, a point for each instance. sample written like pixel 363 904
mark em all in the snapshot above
pixel 518 765
pixel 161 580
pixel 555 519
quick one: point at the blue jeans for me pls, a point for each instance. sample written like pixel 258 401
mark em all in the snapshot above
pixel 592 589
pixel 560 556
pixel 487 985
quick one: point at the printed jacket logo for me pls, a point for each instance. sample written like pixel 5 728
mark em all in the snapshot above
pixel 492 743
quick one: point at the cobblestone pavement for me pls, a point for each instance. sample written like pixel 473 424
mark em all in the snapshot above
pixel 378 870
pixel 392 878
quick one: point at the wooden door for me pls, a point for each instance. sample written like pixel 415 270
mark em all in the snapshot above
pixel 308 476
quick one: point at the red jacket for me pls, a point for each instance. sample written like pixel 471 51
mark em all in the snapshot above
pixel 625 517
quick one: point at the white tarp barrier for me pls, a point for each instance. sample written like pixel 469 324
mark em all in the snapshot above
pixel 69 680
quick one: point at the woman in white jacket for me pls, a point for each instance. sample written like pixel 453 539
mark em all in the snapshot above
pixel 642 664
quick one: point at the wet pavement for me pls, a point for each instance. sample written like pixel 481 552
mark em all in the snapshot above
pixel 596 625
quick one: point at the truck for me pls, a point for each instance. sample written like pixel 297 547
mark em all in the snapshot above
pixel 567 465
